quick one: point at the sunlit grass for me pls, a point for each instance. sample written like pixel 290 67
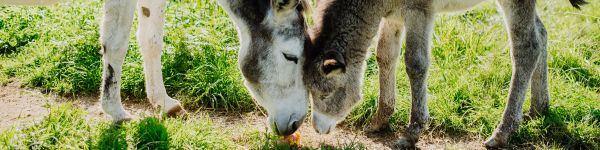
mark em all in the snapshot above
pixel 66 127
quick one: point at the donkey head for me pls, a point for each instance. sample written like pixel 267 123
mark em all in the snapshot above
pixel 335 63
pixel 272 38
pixel 334 90
pixel 333 84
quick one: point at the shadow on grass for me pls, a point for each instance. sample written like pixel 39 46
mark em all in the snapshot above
pixel 113 137
pixel 553 128
pixel 151 133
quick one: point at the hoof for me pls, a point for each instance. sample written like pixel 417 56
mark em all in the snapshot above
pixel 405 143
pixel 177 111
pixel 494 143
pixel 377 128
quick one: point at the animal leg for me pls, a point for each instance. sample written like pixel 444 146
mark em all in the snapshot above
pixel 539 82
pixel 116 24
pixel 150 38
pixel 419 27
pixel 390 32
pixel 525 49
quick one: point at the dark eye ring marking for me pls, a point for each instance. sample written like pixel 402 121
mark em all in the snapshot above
pixel 291 58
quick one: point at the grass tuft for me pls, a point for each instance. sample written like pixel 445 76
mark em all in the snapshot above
pixel 151 134
pixel 66 128
pixel 112 137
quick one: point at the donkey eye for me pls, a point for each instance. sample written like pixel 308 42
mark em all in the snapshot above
pixel 291 58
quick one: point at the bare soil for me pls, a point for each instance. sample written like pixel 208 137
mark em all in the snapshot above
pixel 21 106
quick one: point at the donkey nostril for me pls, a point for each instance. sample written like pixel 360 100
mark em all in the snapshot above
pixel 295 125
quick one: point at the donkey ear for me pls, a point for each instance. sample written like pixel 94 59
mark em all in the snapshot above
pixel 333 63
pixel 280 6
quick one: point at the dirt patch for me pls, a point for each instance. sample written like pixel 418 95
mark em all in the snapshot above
pixel 20 107
pixel 342 136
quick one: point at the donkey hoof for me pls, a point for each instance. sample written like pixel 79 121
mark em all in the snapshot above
pixel 405 143
pixel 493 142
pixel 177 111
pixel 372 129
pixel 376 128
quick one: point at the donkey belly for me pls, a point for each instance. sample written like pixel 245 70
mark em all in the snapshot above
pixel 454 5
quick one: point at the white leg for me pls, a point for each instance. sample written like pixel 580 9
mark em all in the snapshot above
pixel 116 24
pixel 150 38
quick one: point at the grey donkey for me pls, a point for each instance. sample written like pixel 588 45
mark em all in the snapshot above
pixel 335 61
pixel 272 37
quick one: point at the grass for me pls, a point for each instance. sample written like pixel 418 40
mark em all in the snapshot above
pixel 56 49
pixel 66 127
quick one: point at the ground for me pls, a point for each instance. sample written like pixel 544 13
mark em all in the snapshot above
pixel 21 107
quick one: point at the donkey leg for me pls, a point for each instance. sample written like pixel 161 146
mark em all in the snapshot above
pixel 116 24
pixel 525 49
pixel 150 38
pixel 390 32
pixel 539 82
pixel 419 27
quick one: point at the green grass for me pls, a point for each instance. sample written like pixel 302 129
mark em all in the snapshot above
pixel 56 49
pixel 66 127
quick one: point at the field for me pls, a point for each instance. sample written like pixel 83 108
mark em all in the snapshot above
pixel 55 50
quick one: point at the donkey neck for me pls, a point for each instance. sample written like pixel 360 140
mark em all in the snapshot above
pixel 347 26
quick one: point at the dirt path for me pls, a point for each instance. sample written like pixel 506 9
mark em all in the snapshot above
pixel 20 107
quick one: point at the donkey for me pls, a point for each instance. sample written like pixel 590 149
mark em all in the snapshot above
pixel 335 61
pixel 272 35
